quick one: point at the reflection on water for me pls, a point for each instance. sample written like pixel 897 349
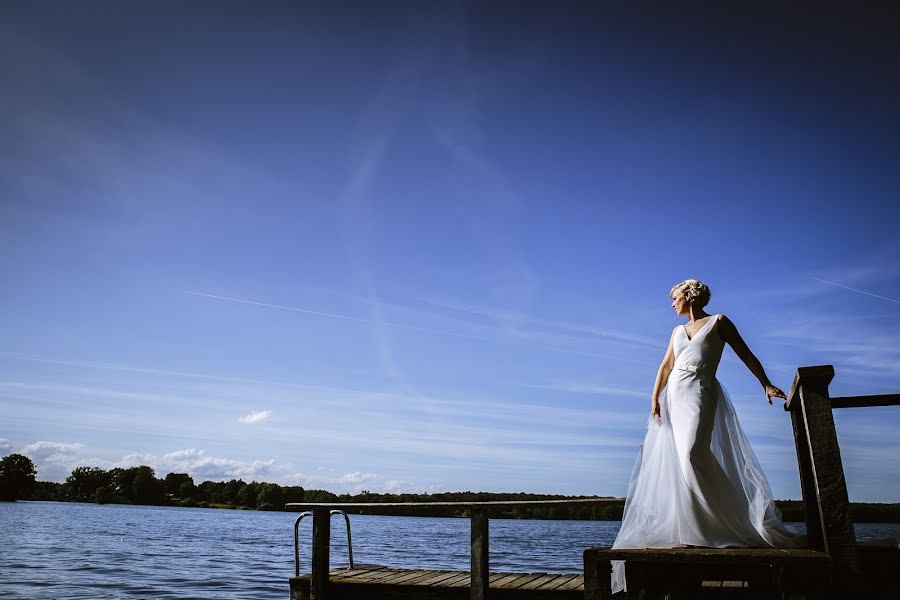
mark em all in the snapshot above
pixel 75 551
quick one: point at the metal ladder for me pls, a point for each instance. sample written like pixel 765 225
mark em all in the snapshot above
pixel 297 539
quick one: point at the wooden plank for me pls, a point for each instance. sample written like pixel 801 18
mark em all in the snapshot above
pixel 373 576
pixel 559 581
pixel 506 578
pixel 533 583
pixel 320 558
pixel 399 577
pixel 388 580
pixel 864 401
pixel 459 580
pixel 576 584
pixel 354 574
pixel 545 579
pixel 479 561
pixel 443 578
pixel 428 574
pixel 358 573
pixel 522 582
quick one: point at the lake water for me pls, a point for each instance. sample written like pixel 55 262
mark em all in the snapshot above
pixel 87 551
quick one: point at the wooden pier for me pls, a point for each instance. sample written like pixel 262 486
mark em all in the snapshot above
pixel 324 583
pixel 833 567
pixel 381 583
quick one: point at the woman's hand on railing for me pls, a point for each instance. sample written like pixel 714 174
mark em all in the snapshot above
pixel 774 392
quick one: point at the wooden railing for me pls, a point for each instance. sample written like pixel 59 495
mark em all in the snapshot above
pixel 826 503
pixel 478 514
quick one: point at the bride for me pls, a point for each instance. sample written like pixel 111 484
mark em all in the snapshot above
pixel 696 481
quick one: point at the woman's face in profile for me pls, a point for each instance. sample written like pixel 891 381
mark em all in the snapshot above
pixel 679 304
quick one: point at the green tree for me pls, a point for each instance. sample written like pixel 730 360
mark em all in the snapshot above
pixel 270 497
pixel 47 490
pixel 211 491
pixel 104 494
pixel 232 492
pixel 187 490
pixel 146 488
pixel 248 495
pixel 294 493
pixel 17 474
pixel 174 481
pixel 83 482
pixel 123 479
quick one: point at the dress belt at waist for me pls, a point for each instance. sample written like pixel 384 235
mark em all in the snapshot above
pixel 695 369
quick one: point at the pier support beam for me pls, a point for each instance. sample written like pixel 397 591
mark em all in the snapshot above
pixel 480 572
pixel 320 558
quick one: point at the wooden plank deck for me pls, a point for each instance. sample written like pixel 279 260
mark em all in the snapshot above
pixel 374 583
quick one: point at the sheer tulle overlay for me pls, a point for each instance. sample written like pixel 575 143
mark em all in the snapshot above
pixel 696 480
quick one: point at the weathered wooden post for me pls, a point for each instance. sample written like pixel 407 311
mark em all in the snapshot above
pixel 320 558
pixel 828 523
pixel 597 576
pixel 479 561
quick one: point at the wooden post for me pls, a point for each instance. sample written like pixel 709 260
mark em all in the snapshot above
pixel 479 561
pixel 597 576
pixel 318 587
pixel 812 514
pixel 833 503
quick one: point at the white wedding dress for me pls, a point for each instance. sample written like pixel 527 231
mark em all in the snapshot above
pixel 696 480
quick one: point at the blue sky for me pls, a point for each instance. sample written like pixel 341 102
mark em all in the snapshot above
pixel 407 247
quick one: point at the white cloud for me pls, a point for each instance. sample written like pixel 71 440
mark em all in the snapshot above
pixel 5 446
pixel 351 483
pixel 51 451
pixel 202 466
pixel 357 477
pixel 256 416
pixel 53 460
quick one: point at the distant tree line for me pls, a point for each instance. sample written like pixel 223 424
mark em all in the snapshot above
pixel 139 485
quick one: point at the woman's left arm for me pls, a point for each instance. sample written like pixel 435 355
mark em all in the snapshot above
pixel 729 333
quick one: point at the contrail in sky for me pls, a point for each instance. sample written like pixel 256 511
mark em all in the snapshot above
pixel 339 316
pixel 293 308
pixel 855 290
pixel 394 324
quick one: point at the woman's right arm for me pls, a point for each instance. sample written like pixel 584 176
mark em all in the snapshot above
pixel 662 375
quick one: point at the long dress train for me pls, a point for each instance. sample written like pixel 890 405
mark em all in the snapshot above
pixel 696 480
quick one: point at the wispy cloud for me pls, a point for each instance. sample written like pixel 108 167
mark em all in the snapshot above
pixel 256 416
pixel 855 290
pixel 375 306
pixel 530 331
pixel 865 346
pixel 592 389
pixel 509 316
pixel 164 372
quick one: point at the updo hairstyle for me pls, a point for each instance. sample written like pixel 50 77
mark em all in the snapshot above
pixel 695 291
